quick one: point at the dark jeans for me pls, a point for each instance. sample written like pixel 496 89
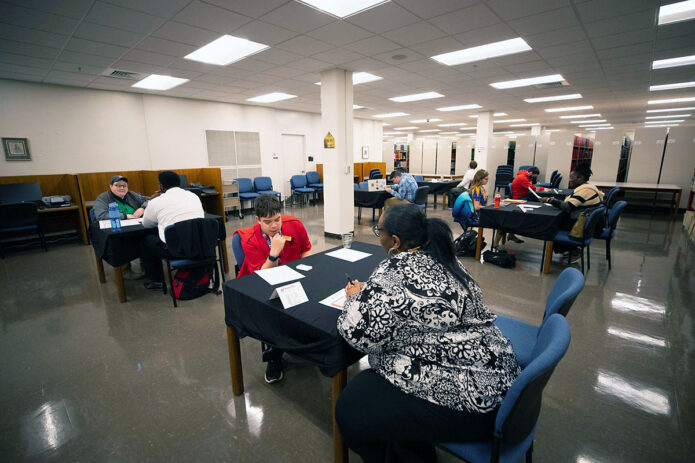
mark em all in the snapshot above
pixel 152 251
pixel 380 422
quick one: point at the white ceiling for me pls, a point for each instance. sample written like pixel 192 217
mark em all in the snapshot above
pixel 603 48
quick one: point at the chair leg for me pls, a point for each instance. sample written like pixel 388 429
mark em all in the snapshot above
pixel 171 280
pixel 43 240
pixel 588 258
pixel 359 215
pixel 529 454
pixel 219 250
pixel 582 251
pixel 608 252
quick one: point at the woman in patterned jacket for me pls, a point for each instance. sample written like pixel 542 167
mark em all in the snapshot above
pixel 439 366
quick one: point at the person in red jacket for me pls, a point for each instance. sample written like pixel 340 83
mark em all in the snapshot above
pixel 275 239
pixel 523 181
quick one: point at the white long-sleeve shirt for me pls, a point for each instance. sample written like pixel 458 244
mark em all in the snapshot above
pixel 172 206
pixel 467 178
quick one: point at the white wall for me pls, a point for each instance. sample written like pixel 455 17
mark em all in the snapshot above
pixel 496 156
pixel 646 155
pixel 560 154
pixel 679 162
pixel 73 130
pixel 523 154
pixel 542 148
pixel 606 155
pixel 429 153
pixel 444 156
pixel 463 154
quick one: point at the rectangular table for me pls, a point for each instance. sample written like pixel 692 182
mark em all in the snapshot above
pixel 655 188
pixel 307 330
pixel 540 223
pixel 558 193
pixel 439 188
pixel 372 199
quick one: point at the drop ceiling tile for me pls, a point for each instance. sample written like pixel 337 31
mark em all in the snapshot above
pixel 432 8
pixel 366 65
pixel 121 18
pixel 618 52
pixel 304 45
pixel 184 33
pixel 407 54
pixel 339 33
pixel 109 83
pixel 71 8
pixel 78 68
pixel 574 48
pixel 285 72
pixel 561 18
pixel 161 8
pixel 556 37
pixel 372 45
pixel 644 60
pixel 105 34
pixel 276 56
pixel 9 67
pixel 530 69
pixel 210 17
pixel 32 36
pixel 253 9
pixel 467 19
pixel 192 66
pixel 53 75
pixel 418 32
pixel 310 65
pixel 26 49
pixel 421 66
pixel 512 10
pixel 142 56
pixel 165 47
pixel 297 17
pixel 216 80
pixel 675 43
pixel 628 22
pixel 233 72
pixel 95 48
pixel 624 39
pixel 597 10
pixel 24 17
pixel 571 59
pixel 68 82
pixel 143 68
pixel 265 33
pixel 673 53
pixel 309 77
pixel 337 56
pixel 85 58
pixel 382 18
pixel 268 78
pixel 487 34
pixel 252 65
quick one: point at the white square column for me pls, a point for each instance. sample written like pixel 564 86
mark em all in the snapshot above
pixel 483 138
pixel 336 118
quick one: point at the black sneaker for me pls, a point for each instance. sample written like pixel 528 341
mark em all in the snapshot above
pixel 155 286
pixel 514 239
pixel 273 372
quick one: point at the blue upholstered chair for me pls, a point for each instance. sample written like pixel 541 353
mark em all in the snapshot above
pixel 557 181
pixel 610 197
pixel 20 218
pixel 375 173
pixel 550 182
pixel 608 232
pixel 590 226
pixel 463 211
pixel 364 185
pixel 314 181
pixel 515 423
pixel 246 191
pixel 421 198
pixel 238 253
pixel 504 175
pixel 509 189
pixel 523 335
pixel 299 186
pixel 419 178
pixel 264 186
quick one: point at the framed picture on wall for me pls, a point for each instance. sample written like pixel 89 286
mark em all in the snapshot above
pixel 365 152
pixel 16 149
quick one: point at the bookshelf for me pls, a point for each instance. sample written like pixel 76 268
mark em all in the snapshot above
pixel 401 157
pixel 582 151
pixel 453 158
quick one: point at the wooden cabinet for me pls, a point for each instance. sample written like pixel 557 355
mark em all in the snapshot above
pixel 230 197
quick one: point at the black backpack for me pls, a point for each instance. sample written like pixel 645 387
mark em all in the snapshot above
pixel 190 283
pixel 464 245
pixel 500 258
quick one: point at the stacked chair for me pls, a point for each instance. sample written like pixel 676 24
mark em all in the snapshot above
pixel 503 177
pixel 264 186
pixel 300 187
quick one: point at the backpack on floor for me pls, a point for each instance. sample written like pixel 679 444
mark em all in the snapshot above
pixel 190 283
pixel 500 258
pixel 464 245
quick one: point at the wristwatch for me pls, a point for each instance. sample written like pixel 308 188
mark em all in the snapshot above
pixel 273 258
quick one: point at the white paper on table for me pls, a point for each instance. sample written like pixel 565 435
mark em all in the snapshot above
pixel 275 276
pixel 104 224
pixel 303 267
pixel 335 300
pixel 349 255
pixel 130 222
pixel 290 295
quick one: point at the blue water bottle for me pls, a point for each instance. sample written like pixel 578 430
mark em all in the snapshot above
pixel 115 216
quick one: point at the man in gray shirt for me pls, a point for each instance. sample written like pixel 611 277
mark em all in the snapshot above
pixel 131 205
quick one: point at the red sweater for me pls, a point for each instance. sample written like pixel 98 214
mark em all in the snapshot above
pixel 521 183
pixel 257 250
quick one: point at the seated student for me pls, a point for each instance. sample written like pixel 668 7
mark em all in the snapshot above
pixel 522 182
pixel 275 239
pixel 403 189
pixel 168 206
pixel 439 365
pixel 478 192
pixel 454 193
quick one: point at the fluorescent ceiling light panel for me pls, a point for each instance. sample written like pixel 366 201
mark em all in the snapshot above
pixel 568 108
pixel 524 125
pixel 579 116
pixel 271 97
pixel 393 133
pixel 421 121
pixel 502 121
pixel 595 125
pixel 460 107
pixel 665 122
pixel 390 115
pixel 475 116
pixel 551 130
pixel 385 124
pixel 672 100
pixel 342 8
pixel 416 97
pixel 676 12
pixel 573 96
pixel 360 78
pixel 689 108
pixel 157 82
pixel 491 50
pixel 406 128
pixel 467 128
pixel 587 122
pixel 601 128
pixel 655 88
pixel 669 116
pixel 501 133
pixel 527 82
pixel 673 62
pixel 453 124
pixel 356 106
pixel 225 50
pixel 664 125
pixel 430 130
pixel 448 133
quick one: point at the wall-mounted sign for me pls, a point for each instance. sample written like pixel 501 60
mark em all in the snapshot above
pixel 329 141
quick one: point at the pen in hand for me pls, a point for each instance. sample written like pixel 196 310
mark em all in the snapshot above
pixel 350 279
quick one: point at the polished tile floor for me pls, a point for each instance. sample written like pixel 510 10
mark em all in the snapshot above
pixel 84 378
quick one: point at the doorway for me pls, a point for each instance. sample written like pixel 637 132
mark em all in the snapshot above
pixel 292 160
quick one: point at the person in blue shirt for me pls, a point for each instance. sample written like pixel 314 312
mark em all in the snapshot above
pixel 403 189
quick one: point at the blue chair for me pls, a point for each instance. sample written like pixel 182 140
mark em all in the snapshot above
pixel 463 211
pixel 246 191
pixel 590 226
pixel 20 218
pixel 608 232
pixel 238 253
pixel 364 185
pixel 375 173
pixel 92 216
pixel 560 300
pixel 524 168
pixel 551 182
pixel 515 423
pixel 610 197
pixel 419 178
pixel 558 180
pixel 264 186
pixel 299 186
pixel 421 198
pixel 314 181
pixel 504 175
pixel 509 189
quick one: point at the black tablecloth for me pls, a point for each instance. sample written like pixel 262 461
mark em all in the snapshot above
pixel 551 193
pixel 541 223
pixel 439 187
pixel 309 329
pixel 373 199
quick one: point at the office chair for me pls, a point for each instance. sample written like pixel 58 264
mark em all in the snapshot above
pixel 21 218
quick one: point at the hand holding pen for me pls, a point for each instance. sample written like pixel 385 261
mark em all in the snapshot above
pixel 353 286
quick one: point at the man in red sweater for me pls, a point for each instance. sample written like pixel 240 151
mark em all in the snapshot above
pixel 524 181
pixel 275 239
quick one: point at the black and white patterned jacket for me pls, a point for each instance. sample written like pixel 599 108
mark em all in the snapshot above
pixel 430 335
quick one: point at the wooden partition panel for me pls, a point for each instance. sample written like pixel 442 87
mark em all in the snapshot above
pixel 368 166
pixel 358 169
pixel 319 169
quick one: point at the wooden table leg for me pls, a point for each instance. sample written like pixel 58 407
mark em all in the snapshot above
pixel 120 286
pixel 548 256
pixel 479 243
pixel 444 201
pixel 100 268
pixel 235 361
pixel 225 257
pixel 340 451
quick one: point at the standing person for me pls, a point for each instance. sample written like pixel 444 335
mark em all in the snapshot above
pixel 523 181
pixel 439 365
pixel 403 189
pixel 275 239
pixel 168 206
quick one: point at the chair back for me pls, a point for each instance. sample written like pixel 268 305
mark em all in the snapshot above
pixel 364 185
pixel 558 180
pixel 504 175
pixel 592 223
pixel 313 177
pixel 262 183
pixel 524 168
pixel 298 181
pixel 518 413
pixel 463 208
pixel 614 214
pixel 509 187
pixel 194 239
pixel 245 185
pixel 564 292
pixel 92 215
pixel 238 251
pixel 610 197
pixel 18 215
pixel 375 173
pixel 419 178
pixel 421 196
pixel 552 177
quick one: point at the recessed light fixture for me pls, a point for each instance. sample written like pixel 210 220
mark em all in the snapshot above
pixel 502 133
pixel 452 124
pixel 663 125
pixel 271 97
pixel 668 117
pixel 225 50
pixel 491 50
pixel 157 82
pixel 588 122
pixel 654 88
pixel 430 130
pixel 475 116
pixel 342 9
pixel 448 133
pixel 360 78
pixel 460 107
pixel 394 133
pixel 356 106
pixel 672 100
pixel 524 125
pixel 424 121
pixel 689 108
pixel 416 97
pixel 579 116
pixel 673 62
pixel 381 116
pixel 502 121
pixel 665 122
pixel 569 108
pixel 573 96
pixel 676 12
pixel 529 81
pixel 406 128
pixel 551 130
pixel 595 125
pixel 385 124
pixel 601 128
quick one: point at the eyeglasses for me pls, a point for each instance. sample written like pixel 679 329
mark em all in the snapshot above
pixel 120 185
pixel 377 230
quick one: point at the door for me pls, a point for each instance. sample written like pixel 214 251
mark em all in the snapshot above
pixel 292 160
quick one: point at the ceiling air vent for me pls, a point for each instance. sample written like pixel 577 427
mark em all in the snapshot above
pixel 121 74
pixel 552 85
